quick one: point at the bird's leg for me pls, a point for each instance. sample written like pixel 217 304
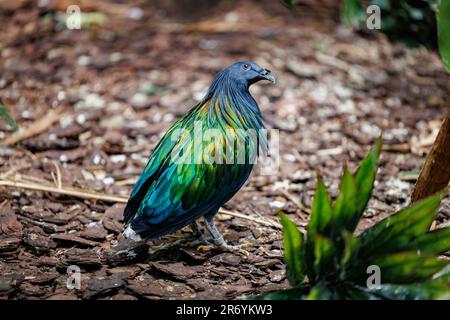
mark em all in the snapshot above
pixel 217 236
pixel 196 230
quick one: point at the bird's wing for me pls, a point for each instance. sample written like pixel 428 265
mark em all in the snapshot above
pixel 155 166
pixel 174 192
pixel 185 191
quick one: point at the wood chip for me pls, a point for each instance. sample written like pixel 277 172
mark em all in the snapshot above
pixel 8 219
pixel 70 239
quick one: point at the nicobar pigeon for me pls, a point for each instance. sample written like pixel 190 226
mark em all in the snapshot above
pixel 180 183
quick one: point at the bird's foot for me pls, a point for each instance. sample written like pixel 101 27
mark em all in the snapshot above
pixel 210 244
pixel 234 249
pixel 223 246
pixel 219 241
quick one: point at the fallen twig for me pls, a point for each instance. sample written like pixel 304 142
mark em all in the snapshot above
pixel 79 193
pixel 265 221
pixel 90 195
pixel 13 170
pixel 35 128
pixel 208 26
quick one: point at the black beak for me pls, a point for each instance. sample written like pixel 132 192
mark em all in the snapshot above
pixel 267 75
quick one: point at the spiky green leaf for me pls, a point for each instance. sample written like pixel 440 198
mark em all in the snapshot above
pixel 355 292
pixel 345 206
pixel 320 292
pixel 324 256
pixel 407 267
pixel 321 211
pixel 365 178
pixel 436 242
pixel 351 248
pixel 293 251
pixel 427 290
pixel 399 230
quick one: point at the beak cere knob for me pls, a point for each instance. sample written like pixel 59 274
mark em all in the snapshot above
pixel 267 74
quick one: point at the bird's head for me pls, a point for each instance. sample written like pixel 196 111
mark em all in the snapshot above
pixel 247 73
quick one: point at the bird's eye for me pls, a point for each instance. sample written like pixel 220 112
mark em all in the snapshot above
pixel 246 67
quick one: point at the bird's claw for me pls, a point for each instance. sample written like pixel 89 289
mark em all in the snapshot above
pixel 228 247
pixel 234 248
pixel 203 247
pixel 224 247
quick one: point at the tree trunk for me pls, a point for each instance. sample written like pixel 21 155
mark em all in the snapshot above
pixel 435 173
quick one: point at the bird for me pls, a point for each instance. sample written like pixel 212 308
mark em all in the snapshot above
pixel 189 177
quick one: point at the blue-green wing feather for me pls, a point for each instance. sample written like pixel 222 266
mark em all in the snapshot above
pixel 156 165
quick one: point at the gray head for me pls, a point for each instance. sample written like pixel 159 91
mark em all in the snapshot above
pixel 240 75
pixel 248 72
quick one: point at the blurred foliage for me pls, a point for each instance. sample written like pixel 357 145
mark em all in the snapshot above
pixel 443 21
pixel 289 3
pixel 4 114
pixel 411 22
pixel 352 13
pixel 332 263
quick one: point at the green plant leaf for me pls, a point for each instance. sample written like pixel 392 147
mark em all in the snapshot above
pixel 293 251
pixel 407 267
pixel 399 230
pixel 427 290
pixel 444 275
pixel 8 118
pixel 351 248
pixel 354 292
pixel 324 255
pixel 443 26
pixel 345 206
pixel 320 292
pixel 321 211
pixel 364 180
pixel 436 242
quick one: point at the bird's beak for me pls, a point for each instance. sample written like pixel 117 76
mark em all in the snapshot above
pixel 267 75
